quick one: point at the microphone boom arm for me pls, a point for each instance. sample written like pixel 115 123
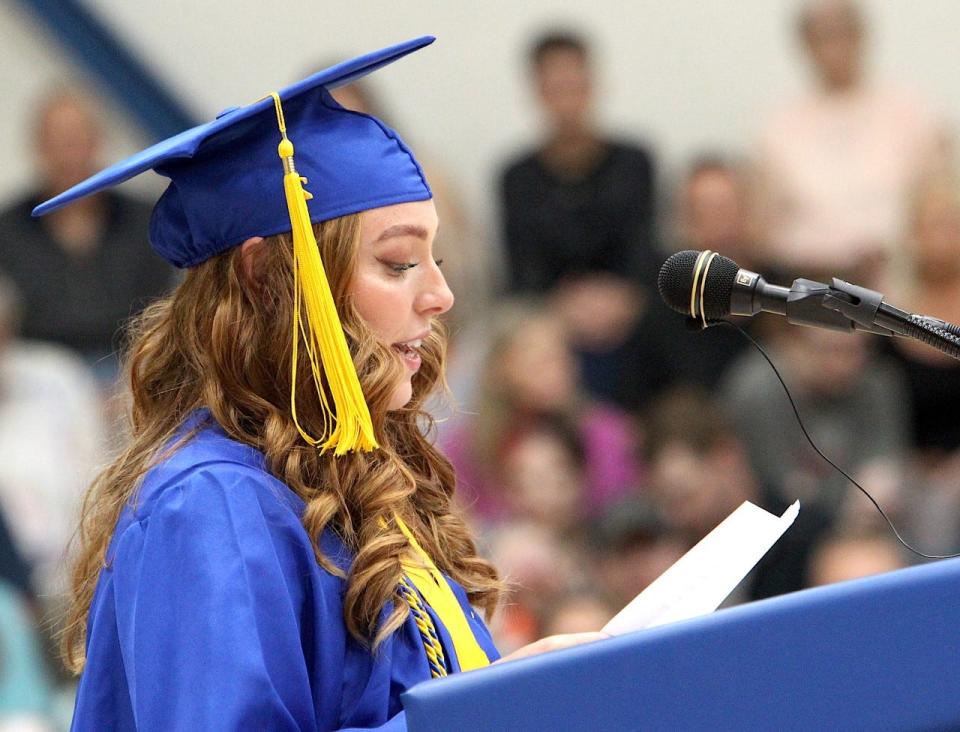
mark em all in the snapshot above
pixel 864 309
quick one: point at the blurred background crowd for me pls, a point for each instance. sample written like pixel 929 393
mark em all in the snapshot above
pixel 596 437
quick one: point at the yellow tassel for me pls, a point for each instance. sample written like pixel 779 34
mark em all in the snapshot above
pixel 346 423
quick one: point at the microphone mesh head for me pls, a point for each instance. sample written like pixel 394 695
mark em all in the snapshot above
pixel 676 280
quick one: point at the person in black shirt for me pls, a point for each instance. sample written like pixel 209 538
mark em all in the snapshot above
pixel 578 215
pixel 84 270
pixel 711 213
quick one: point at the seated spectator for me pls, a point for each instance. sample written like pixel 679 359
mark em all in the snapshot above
pixel 578 215
pixel 836 166
pixel 530 375
pixel 854 408
pixel 539 568
pixel 542 477
pixel 933 288
pixel 85 269
pixel 842 557
pixel 50 442
pixel 581 611
pixel 633 546
pixel 700 473
pixel 712 213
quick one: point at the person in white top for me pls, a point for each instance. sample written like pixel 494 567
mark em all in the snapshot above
pixel 836 166
pixel 51 440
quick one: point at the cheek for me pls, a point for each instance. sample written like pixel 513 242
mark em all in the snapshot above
pixel 381 306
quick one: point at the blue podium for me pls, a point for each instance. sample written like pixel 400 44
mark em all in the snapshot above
pixel 881 653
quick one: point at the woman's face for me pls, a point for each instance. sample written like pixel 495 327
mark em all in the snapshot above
pixel 538 370
pixel 398 287
pixel 936 234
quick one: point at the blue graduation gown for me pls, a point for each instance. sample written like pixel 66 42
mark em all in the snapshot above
pixel 213 614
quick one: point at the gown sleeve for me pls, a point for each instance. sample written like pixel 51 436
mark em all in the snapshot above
pixel 215 593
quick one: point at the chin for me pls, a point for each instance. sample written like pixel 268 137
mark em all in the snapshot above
pixel 402 396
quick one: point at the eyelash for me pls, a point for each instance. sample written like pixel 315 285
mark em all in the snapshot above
pixel 400 268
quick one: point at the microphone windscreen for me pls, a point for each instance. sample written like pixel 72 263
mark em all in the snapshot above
pixel 675 282
pixel 676 279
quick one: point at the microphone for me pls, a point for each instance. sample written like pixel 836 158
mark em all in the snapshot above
pixel 707 286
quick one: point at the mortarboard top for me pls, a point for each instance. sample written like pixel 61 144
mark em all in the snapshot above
pixel 224 175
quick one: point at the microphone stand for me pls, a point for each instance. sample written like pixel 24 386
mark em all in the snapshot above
pixel 864 309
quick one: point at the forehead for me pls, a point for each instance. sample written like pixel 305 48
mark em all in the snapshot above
pixel 561 63
pixel 829 16
pixel 712 181
pixel 376 221
pixel 66 113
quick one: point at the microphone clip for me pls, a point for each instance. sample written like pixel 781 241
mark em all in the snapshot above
pixel 857 304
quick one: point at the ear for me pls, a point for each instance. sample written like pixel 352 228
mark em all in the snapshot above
pixel 251 259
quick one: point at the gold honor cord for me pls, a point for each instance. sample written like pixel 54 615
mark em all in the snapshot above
pixel 346 423
pixel 437 592
pixel 428 632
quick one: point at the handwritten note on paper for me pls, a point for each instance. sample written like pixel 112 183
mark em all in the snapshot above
pixel 703 577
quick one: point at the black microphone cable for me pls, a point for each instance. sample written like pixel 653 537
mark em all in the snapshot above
pixel 796 413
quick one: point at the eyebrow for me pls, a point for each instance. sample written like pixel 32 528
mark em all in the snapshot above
pixel 403 230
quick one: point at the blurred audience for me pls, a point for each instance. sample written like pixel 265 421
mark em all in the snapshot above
pixel 848 556
pixel 82 270
pixel 698 468
pixel 933 379
pixel 543 476
pixel 577 612
pixel 700 472
pixel 836 165
pixel 712 212
pixel 632 546
pixel 26 691
pixel 579 215
pixel 855 410
pixel 529 385
pixel 539 568
pixel 15 573
pixel 51 440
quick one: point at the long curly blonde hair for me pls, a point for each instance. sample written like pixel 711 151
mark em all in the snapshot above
pixel 220 342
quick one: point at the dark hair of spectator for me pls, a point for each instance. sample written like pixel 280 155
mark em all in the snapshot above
pixel 560 428
pixel 557 40
pixel 632 522
pixel 686 416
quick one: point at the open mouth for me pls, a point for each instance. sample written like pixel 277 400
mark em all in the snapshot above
pixel 410 352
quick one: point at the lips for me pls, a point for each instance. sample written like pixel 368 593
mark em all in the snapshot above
pixel 409 348
pixel 410 352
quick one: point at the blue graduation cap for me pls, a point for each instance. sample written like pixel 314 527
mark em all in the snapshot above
pixel 225 175
pixel 235 178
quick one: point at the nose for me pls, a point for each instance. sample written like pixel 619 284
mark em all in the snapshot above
pixel 435 298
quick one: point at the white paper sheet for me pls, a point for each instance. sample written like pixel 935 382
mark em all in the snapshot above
pixel 703 577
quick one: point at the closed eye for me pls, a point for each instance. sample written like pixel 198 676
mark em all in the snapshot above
pixel 399 268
